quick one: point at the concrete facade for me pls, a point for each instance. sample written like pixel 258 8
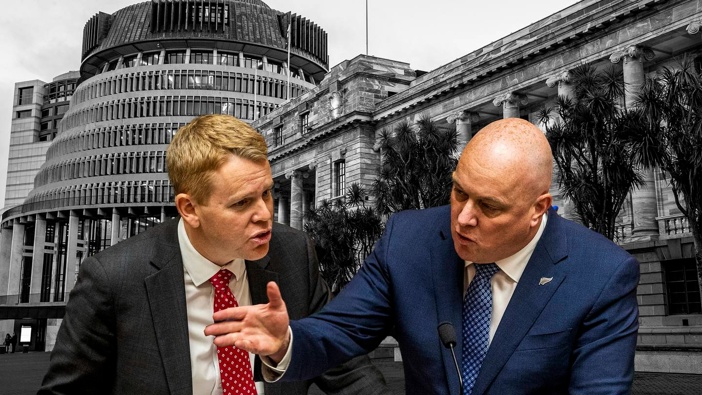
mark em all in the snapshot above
pixel 516 76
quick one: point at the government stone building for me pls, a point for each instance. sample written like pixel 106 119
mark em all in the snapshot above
pixel 103 179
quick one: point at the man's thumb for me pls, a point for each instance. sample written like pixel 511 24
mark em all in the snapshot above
pixel 274 299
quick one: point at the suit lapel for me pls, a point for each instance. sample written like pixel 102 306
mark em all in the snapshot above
pixel 165 291
pixel 447 278
pixel 527 302
pixel 259 277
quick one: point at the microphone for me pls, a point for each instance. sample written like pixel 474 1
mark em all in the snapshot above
pixel 448 336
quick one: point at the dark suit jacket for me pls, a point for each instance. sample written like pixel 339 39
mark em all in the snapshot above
pixel 126 332
pixel 575 334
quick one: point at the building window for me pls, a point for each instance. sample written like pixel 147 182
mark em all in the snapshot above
pixel 305 122
pixel 24 114
pixel 175 57
pixel 25 95
pixel 274 67
pixel 211 13
pixel 339 177
pixel 60 110
pixel 198 57
pixel 278 135
pixel 45 292
pixel 130 61
pixel 682 286
pixel 149 59
pixel 253 63
pixel 228 59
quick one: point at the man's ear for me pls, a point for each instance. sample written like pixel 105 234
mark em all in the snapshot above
pixel 543 203
pixel 187 209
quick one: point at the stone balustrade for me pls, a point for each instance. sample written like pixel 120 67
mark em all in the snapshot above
pixel 675 226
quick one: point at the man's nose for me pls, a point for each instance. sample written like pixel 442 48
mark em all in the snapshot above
pixel 467 215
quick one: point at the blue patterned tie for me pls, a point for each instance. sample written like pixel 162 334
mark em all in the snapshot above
pixel 477 308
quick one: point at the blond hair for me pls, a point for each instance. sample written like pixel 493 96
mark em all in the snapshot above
pixel 202 146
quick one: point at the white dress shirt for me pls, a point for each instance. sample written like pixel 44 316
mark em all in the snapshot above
pixel 199 299
pixel 504 282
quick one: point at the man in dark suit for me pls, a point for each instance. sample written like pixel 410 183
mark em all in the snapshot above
pixel 135 320
pixel 556 312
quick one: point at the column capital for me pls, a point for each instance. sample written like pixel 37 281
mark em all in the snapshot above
pixel 560 78
pixel 510 97
pixel 632 52
pixel 463 116
pixel 295 174
pixel 693 27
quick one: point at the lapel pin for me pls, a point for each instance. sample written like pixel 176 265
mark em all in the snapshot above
pixel 545 280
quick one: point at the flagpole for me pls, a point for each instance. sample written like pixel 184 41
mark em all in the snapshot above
pixel 366 27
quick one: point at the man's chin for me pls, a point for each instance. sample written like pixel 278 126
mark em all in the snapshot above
pixel 258 252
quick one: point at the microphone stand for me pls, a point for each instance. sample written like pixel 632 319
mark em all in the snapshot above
pixel 447 334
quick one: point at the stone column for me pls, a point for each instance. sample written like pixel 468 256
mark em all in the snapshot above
pixel 16 249
pixel 510 104
pixel 565 90
pixel 161 56
pixel 72 252
pixel 38 256
pixel 313 203
pixel 464 127
pixel 114 227
pixel 305 208
pixel 634 76
pixel 296 193
pixel 644 209
pixel 5 254
pixel 562 80
pixel 283 210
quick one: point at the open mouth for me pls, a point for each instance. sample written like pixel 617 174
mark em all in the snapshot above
pixel 464 239
pixel 262 237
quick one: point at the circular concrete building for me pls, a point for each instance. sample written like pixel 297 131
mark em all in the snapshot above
pixel 147 70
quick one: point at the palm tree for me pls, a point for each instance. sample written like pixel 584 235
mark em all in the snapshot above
pixel 591 146
pixel 344 232
pixel 672 139
pixel 417 162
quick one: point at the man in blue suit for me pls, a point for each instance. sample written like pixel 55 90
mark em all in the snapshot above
pixel 562 311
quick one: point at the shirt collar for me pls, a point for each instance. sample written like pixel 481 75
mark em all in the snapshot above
pixel 200 268
pixel 513 266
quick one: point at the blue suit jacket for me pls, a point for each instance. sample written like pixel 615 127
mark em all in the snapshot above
pixel 575 334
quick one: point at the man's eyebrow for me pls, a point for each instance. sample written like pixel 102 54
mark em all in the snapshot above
pixel 487 199
pixel 493 201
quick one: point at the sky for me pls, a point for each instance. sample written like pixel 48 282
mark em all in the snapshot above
pixel 41 39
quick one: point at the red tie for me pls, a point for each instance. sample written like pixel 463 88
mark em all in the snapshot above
pixel 234 363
